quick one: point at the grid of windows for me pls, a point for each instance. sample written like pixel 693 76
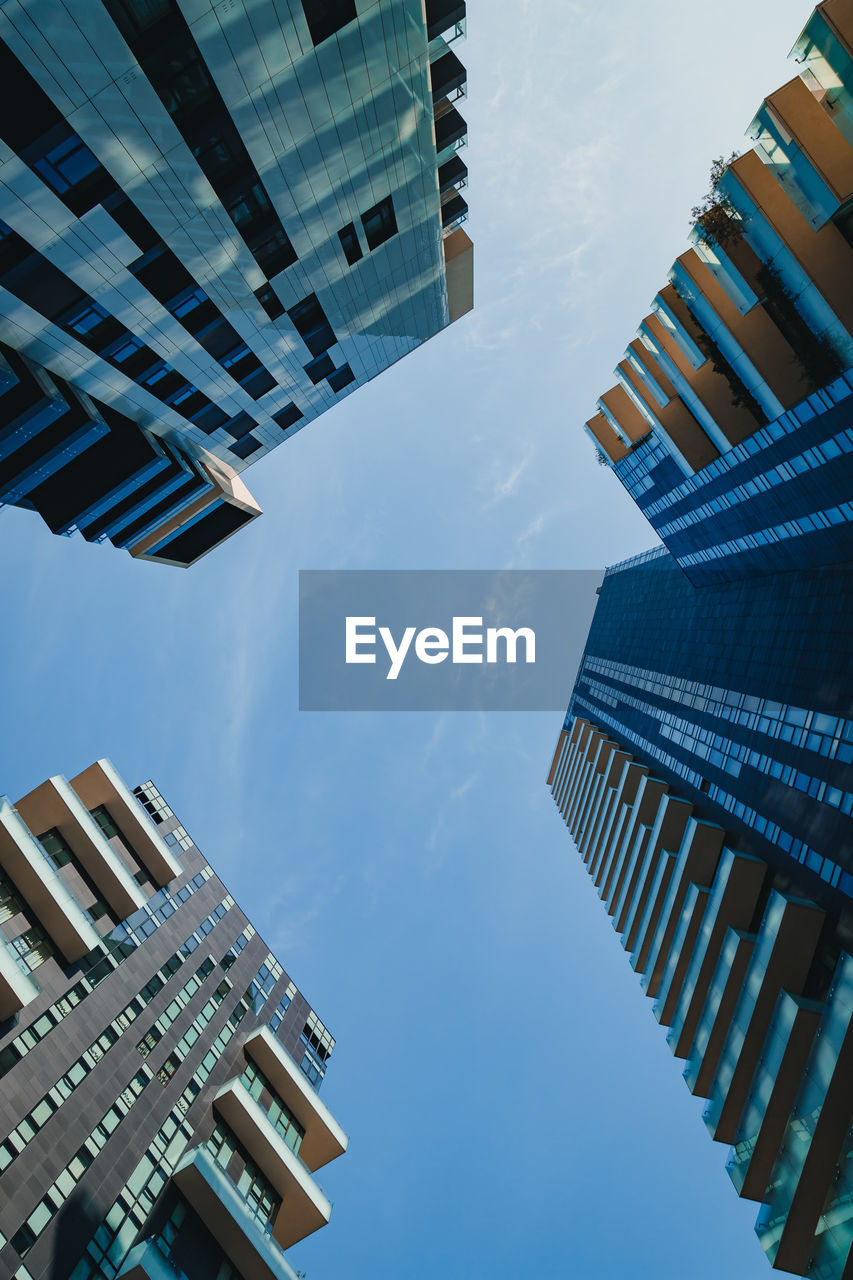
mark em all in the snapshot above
pixel 255 1188
pixel 278 1111
pixel 283 1006
pixel 825 867
pixel 317 1045
pixel 97 966
pixel 62 1187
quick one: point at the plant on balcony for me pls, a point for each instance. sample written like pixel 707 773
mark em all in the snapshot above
pixel 742 397
pixel 715 212
pixel 818 360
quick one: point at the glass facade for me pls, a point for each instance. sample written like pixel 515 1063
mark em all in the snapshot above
pixel 280 237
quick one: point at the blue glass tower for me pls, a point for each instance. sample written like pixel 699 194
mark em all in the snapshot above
pixel 215 224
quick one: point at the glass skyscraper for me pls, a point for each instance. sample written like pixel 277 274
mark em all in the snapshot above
pixel 215 223
pixel 159 1114
pixel 731 424
pixel 705 767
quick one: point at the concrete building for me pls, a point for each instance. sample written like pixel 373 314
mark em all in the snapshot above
pixel 216 221
pixel 159 1114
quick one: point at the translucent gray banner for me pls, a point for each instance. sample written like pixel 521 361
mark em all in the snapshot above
pixel 436 640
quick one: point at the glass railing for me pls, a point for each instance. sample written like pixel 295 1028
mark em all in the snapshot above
pixel 805 1119
pixel 243 1214
pixel 155 1263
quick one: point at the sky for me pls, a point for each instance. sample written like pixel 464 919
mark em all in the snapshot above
pixel 512 1105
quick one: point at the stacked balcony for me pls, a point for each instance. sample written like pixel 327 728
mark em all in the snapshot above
pixel 728 959
pixel 253 1244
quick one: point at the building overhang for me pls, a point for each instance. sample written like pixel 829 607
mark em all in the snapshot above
pixel 228 1217
pixel 55 804
pixel 324 1138
pixel 459 270
pixel 304 1207
pixel 42 888
pixel 100 784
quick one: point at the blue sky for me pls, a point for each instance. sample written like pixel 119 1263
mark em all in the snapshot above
pixel 512 1105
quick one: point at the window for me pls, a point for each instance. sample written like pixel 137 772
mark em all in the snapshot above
pixel 312 325
pixel 341 378
pixel 320 368
pixel 66 164
pixel 168 1069
pixel 83 319
pixel 148 1041
pixel 10 903
pixel 349 243
pixel 379 223
pixel 243 448
pixel 134 16
pixel 125 348
pixel 104 821
pixel 182 81
pixel 325 17
pixel 58 852
pixel 33 947
pixel 274 252
pixel 270 302
pixel 287 417
pixel 252 204
pixel 187 302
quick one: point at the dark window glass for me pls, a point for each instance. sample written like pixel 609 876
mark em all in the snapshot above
pixel 349 243
pixel 341 378
pixel 270 301
pixel 183 82
pixel 320 368
pixel 187 302
pixel 312 325
pixel 217 155
pixel 249 206
pixel 132 17
pixel 286 417
pixel 209 418
pixel 325 17
pixel 82 320
pixel 257 384
pixel 379 223
pixel 240 425
pixel 66 164
pixel 246 446
pixel 131 221
pixel 273 252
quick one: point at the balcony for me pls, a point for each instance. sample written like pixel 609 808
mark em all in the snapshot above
pixel 304 1207
pixel 447 76
pixel 27 866
pixel 146 1262
pixel 55 804
pixel 324 1139
pixel 228 1216
pixel 450 128
pixel 453 212
pixel 100 784
pixel 443 14
pixel 453 174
